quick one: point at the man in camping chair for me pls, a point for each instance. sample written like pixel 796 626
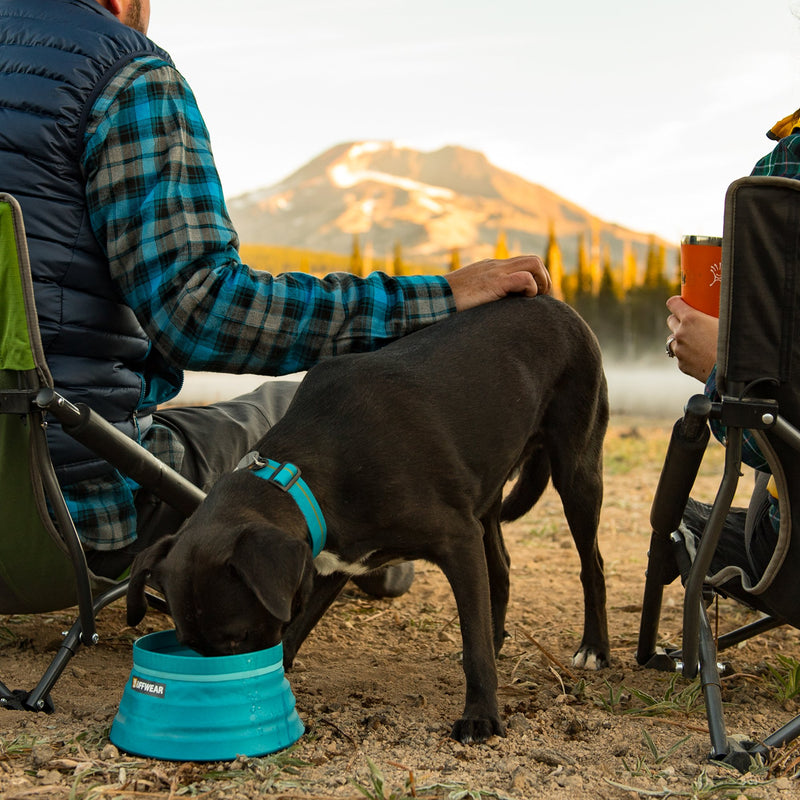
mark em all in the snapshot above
pixel 749 536
pixel 137 274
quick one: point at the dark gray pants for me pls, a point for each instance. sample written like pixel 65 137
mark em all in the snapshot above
pixel 748 538
pixel 215 438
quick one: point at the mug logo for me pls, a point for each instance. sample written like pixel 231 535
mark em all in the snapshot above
pixel 716 274
pixel 149 688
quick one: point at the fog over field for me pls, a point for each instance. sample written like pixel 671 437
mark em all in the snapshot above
pixel 656 390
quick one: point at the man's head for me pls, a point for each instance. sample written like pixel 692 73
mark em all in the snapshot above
pixel 134 13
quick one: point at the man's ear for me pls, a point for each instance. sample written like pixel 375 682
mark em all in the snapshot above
pixel 114 6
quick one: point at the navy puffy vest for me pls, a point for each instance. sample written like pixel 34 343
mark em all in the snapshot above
pixel 56 56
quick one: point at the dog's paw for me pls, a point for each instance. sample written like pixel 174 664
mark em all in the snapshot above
pixel 589 657
pixel 469 730
pixel 499 641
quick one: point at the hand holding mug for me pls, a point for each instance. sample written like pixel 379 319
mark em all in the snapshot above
pixel 693 341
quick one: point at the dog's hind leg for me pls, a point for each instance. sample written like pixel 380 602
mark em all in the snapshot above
pixel 498 563
pixel 578 478
pixel 532 481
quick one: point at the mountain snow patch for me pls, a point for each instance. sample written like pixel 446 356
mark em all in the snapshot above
pixel 344 176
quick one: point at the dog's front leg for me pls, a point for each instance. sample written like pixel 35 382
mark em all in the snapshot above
pixel 325 589
pixel 467 574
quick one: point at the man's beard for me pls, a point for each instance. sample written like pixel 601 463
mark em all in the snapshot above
pixel 134 16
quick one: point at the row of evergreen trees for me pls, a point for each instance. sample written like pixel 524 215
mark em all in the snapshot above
pixel 623 303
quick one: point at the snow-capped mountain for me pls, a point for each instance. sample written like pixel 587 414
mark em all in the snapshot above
pixel 429 203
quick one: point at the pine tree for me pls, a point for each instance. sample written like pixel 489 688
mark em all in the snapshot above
pixel 455 260
pixel 397 260
pixel 595 267
pixel 555 263
pixel 583 276
pixel 607 288
pixel 501 248
pixel 388 264
pixel 630 270
pixel 356 260
pixel 654 271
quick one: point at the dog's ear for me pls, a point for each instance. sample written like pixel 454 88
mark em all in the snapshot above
pixel 144 568
pixel 273 566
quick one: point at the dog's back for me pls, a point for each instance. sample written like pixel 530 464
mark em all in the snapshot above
pixel 458 405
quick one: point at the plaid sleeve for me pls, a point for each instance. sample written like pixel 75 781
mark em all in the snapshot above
pixel 783 161
pixel 156 205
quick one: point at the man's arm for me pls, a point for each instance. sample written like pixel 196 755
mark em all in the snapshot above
pixel 157 208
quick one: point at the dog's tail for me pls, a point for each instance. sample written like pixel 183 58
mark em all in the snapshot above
pixel 532 481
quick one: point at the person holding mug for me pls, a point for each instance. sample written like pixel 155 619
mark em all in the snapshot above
pixel 693 344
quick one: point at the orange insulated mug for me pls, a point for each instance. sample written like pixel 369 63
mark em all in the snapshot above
pixel 701 272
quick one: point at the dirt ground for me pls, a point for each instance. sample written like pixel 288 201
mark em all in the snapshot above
pixel 379 683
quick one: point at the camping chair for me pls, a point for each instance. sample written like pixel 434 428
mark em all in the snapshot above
pixel 42 564
pixel 758 377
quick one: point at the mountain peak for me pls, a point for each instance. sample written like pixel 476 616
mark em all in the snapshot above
pixel 428 202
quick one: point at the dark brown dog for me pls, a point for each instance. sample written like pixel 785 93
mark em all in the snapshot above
pixel 407 451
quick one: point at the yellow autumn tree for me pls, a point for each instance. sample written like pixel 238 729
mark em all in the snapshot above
pixel 595 264
pixel 397 258
pixel 501 248
pixel 356 259
pixel 455 260
pixel 630 270
pixel 582 272
pixel 555 263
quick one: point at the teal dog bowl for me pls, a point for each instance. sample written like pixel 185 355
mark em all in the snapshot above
pixel 181 706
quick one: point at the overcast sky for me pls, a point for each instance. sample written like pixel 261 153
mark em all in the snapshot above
pixel 640 112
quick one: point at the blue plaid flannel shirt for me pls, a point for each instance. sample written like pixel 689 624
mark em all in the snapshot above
pixel 156 206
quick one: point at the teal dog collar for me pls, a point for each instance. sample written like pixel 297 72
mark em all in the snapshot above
pixel 286 477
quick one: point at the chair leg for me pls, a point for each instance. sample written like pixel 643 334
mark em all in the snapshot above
pixel 12 700
pixel 712 693
pixel 784 735
pixel 38 699
pixel 687 445
pixel 748 631
pixel 693 595
pixel 647 652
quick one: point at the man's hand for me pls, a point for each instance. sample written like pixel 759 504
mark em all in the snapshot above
pixel 491 279
pixel 695 338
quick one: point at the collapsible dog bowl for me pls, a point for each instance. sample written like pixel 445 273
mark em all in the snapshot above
pixel 181 706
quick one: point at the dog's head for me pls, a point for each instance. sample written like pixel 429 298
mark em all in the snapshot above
pixel 228 590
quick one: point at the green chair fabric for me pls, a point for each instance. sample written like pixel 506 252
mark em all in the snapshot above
pixel 36 572
pixel 42 563
pixel 15 346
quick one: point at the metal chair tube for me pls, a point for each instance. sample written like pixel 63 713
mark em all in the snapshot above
pixel 705 552
pixel 132 459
